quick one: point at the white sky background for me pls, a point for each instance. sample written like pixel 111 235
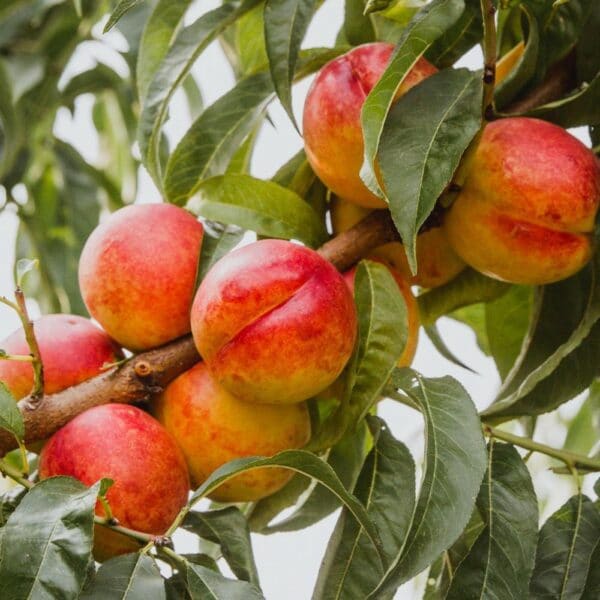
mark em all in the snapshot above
pixel 288 563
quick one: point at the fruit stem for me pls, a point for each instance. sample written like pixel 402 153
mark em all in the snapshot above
pixel 9 471
pixel 488 13
pixel 571 459
pixel 17 357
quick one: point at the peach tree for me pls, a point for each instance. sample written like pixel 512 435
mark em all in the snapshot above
pixel 235 362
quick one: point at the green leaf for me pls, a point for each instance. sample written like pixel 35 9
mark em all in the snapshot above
pixel 358 27
pixel 424 138
pixel 128 577
pixel 11 419
pixel 24 266
pixel 214 247
pixel 205 584
pixel 592 585
pixel 455 462
pixel 9 501
pixel 229 529
pixel 565 547
pixel 301 462
pixel 9 124
pixel 212 140
pixel 507 321
pixel 427 25
pixel 500 562
pixel 286 22
pixel 382 335
pixel 386 486
pixel 258 205
pixel 117 13
pixel 189 43
pixel 584 430
pixel 468 287
pixel 47 541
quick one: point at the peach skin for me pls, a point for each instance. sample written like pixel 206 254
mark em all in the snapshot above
pixel 72 349
pixel 331 122
pixel 137 273
pixel 274 322
pixel 213 427
pixel 122 443
pixel 527 209
pixel 437 262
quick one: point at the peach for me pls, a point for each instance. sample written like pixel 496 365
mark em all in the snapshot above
pixel 274 322
pixel 527 209
pixel 412 309
pixel 127 445
pixel 332 131
pixel 213 427
pixel 72 348
pixel 137 273
pixel 437 263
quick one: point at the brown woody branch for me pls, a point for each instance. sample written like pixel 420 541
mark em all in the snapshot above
pixel 149 372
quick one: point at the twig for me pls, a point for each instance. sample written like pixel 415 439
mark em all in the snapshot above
pixel 488 13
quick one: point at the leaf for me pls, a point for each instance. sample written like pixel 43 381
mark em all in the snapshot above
pixel 565 547
pixel 386 486
pixel 500 562
pixel 127 577
pixel 205 584
pixel 9 501
pixel 229 529
pixel 507 321
pixel 117 13
pixel 382 335
pixel 286 22
pixel 258 205
pixel 454 466
pixel 301 462
pixel 423 140
pixel 189 43
pixel 592 585
pixel 11 419
pixel 24 266
pixel 468 287
pixel 584 430
pixel 427 25
pixel 52 527
pixel 358 27
pixel 214 247
pixel 9 124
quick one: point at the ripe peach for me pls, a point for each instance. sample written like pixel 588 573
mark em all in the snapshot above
pixel 213 427
pixel 412 308
pixel 274 322
pixel 72 348
pixel 137 273
pixel 527 209
pixel 123 443
pixel 332 132
pixel 437 263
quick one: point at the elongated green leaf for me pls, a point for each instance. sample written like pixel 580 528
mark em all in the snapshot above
pixel 214 247
pixel 346 459
pixel 9 124
pixel 358 27
pixel 286 22
pixel 229 529
pixel 584 429
pixel 118 12
pixel 52 527
pixel 190 42
pixel 500 562
pixel 10 416
pixel 301 462
pixel 258 205
pixel 426 26
pixel 213 138
pixel 592 585
pixel 386 486
pixel 566 544
pixel 128 577
pixel 455 462
pixel 9 501
pixel 468 287
pixel 205 584
pixel 382 334
pixel 424 137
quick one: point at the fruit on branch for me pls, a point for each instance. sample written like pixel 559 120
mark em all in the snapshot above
pixel 526 211
pixel 274 322
pixel 412 310
pixel 213 427
pixel 437 262
pixel 137 273
pixel 125 444
pixel 332 131
pixel 72 349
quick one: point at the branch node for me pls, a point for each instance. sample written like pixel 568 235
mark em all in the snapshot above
pixel 143 369
pixel 162 541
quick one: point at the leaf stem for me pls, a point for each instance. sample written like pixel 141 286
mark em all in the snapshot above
pixel 571 459
pixel 16 475
pixel 488 13
pixel 17 357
